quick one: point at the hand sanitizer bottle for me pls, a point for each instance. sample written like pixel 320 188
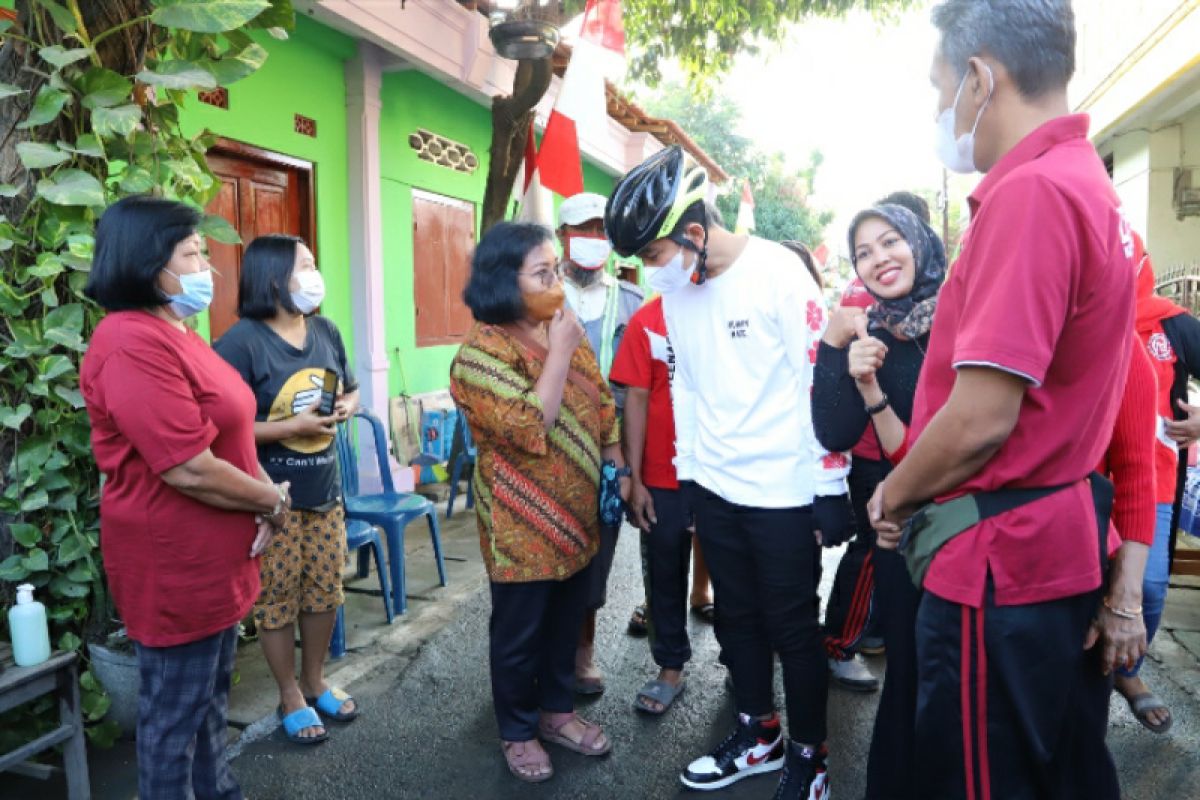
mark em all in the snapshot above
pixel 30 633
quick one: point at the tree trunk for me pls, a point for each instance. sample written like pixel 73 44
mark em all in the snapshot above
pixel 511 118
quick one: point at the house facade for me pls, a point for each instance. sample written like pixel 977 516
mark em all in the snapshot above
pixel 1139 79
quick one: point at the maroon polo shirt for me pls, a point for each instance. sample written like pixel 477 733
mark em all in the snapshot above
pixel 1043 289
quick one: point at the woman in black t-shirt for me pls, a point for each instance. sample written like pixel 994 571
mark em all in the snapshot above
pixel 285 352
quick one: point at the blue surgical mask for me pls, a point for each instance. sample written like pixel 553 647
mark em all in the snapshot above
pixel 196 296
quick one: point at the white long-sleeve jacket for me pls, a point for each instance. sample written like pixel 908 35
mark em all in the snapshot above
pixel 745 344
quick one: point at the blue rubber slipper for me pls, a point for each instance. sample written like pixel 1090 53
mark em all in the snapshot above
pixel 297 721
pixel 330 705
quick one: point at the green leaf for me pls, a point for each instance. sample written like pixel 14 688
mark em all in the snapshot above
pixel 8 90
pixel 179 75
pixel 207 16
pixel 46 107
pixel 218 229
pixel 103 88
pixel 25 534
pixel 69 317
pixel 38 155
pixel 118 121
pixel 60 57
pixel 8 190
pixel 72 187
pixel 85 145
pixel 15 417
pixel 36 560
pixel 69 642
pixel 72 549
pixel 81 572
pixel 104 735
pixel 281 14
pixel 62 17
pixel 95 705
pixel 13 569
pixel 234 66
pixel 63 586
pixel 137 180
pixel 51 367
pixel 71 395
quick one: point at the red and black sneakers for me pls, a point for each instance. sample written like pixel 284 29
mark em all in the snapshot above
pixel 805 776
pixel 753 748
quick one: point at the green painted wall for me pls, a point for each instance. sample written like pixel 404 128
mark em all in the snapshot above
pixel 414 100
pixel 303 75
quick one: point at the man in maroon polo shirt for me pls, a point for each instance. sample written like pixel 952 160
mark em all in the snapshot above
pixel 1020 388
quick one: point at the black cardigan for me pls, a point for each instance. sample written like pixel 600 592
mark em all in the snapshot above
pixel 839 414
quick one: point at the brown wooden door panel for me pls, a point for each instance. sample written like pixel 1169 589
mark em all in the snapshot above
pixel 261 193
pixel 443 235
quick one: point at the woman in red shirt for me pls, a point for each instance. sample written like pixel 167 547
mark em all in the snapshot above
pixel 185 508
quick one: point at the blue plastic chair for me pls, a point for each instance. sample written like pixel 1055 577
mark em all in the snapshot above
pixel 389 509
pixel 464 459
pixel 360 534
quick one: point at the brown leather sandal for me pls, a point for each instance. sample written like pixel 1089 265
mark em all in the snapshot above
pixel 525 764
pixel 586 745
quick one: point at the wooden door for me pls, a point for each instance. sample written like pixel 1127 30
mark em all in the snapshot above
pixel 443 235
pixel 261 193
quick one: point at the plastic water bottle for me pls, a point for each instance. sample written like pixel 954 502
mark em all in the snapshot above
pixel 30 633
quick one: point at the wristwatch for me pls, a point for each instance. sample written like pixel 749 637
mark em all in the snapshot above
pixel 880 406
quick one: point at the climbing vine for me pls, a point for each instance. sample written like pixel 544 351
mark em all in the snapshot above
pixel 90 100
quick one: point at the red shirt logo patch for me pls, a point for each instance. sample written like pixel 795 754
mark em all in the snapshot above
pixel 834 461
pixel 815 315
pixel 1160 347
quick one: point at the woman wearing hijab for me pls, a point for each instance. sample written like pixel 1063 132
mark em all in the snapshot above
pixel 902 264
pixel 1171 337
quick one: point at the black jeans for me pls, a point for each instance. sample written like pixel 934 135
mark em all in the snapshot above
pixel 1010 703
pixel 763 563
pixel 666 561
pixel 533 632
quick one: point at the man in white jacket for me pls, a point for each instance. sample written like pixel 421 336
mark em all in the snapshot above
pixel 745 317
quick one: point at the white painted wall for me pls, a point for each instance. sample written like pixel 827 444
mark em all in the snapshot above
pixel 1172 242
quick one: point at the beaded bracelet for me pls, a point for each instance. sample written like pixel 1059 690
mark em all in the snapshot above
pixel 1123 613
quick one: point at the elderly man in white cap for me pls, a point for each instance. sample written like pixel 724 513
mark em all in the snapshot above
pixel 604 305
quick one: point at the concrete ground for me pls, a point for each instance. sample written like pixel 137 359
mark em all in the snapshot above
pixel 427 729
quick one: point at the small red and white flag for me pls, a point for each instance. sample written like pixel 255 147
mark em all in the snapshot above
pixel 745 215
pixel 581 103
pixel 534 203
pixel 821 254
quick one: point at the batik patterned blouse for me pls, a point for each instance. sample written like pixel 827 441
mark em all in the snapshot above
pixel 536 491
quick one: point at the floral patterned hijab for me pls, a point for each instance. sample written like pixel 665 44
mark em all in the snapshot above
pixel 908 317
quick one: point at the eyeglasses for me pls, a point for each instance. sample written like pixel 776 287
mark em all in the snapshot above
pixel 545 276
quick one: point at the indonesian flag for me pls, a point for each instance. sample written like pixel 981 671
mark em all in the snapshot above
pixel 536 205
pixel 581 103
pixel 745 215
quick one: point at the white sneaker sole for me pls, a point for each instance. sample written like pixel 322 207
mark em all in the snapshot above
pixel 757 769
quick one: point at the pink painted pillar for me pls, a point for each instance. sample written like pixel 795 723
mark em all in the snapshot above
pixel 363 80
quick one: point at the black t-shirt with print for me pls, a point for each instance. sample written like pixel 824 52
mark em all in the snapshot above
pixel 286 380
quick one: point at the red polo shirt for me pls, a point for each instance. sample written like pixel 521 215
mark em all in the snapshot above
pixel 645 361
pixel 1043 289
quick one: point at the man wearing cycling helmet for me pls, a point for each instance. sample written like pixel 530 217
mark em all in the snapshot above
pixel 745 323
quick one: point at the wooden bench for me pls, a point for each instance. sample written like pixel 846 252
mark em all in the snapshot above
pixel 19 685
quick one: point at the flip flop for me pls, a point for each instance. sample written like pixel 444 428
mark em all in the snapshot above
pixel 330 705
pixel 297 721
pixel 1142 704
pixel 591 732
pixel 706 612
pixel 660 692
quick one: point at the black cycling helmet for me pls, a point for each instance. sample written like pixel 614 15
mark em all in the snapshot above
pixel 648 202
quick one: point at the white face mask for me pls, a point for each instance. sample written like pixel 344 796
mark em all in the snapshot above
pixel 310 293
pixel 588 252
pixel 958 153
pixel 672 275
